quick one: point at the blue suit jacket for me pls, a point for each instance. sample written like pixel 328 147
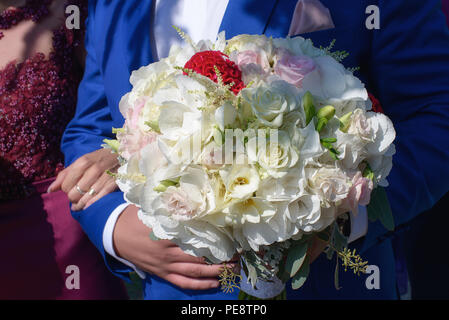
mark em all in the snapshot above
pixel 405 64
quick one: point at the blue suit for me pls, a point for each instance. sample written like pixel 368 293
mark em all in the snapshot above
pixel 405 64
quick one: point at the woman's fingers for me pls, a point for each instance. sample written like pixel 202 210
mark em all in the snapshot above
pixel 103 186
pixel 57 184
pixel 85 171
pixel 75 171
pixel 83 186
pixel 109 187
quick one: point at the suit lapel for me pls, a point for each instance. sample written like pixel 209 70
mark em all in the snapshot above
pixel 247 16
pixel 281 19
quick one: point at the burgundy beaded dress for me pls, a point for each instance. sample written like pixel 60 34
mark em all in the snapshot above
pixel 44 252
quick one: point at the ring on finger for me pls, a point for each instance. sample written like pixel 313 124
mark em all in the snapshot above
pixel 80 191
pixel 92 192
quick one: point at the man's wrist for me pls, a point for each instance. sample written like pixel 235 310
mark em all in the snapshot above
pixel 108 238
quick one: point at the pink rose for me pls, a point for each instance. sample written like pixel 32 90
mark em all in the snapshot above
pixel 134 140
pixel 359 193
pixel 247 57
pixel 134 113
pixel 294 68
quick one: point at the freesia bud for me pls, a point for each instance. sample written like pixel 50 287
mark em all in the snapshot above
pixel 345 122
pixel 309 107
pixel 326 112
pixel 112 144
pixel 322 122
pixel 162 187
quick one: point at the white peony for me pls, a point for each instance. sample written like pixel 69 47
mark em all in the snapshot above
pixel 336 86
pixel 331 184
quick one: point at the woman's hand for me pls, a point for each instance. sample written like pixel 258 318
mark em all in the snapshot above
pixel 85 181
pixel 162 257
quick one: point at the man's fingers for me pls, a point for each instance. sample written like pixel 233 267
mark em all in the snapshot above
pixel 196 270
pixel 177 255
pixel 191 283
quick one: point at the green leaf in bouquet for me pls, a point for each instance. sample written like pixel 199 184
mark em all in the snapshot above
pixel 337 241
pixel 325 234
pixel 300 278
pixel 328 140
pixel 295 258
pixel 336 276
pixel 282 274
pixel 379 208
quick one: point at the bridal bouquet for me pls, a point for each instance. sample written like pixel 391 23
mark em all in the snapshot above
pixel 253 147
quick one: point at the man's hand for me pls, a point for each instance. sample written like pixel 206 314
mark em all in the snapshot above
pixel 85 181
pixel 162 257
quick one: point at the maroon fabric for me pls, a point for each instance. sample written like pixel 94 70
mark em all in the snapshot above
pixel 38 240
pixel 37 101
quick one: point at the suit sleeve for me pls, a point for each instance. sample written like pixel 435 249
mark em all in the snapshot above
pixel 409 71
pixel 85 133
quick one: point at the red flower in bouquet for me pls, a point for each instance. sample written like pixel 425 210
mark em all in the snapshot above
pixel 377 107
pixel 205 63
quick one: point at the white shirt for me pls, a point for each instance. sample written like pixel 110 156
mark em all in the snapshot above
pixel 200 19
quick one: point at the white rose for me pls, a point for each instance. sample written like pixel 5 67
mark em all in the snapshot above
pixel 276 156
pixel 270 102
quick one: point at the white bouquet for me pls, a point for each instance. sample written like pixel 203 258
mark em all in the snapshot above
pixel 251 146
